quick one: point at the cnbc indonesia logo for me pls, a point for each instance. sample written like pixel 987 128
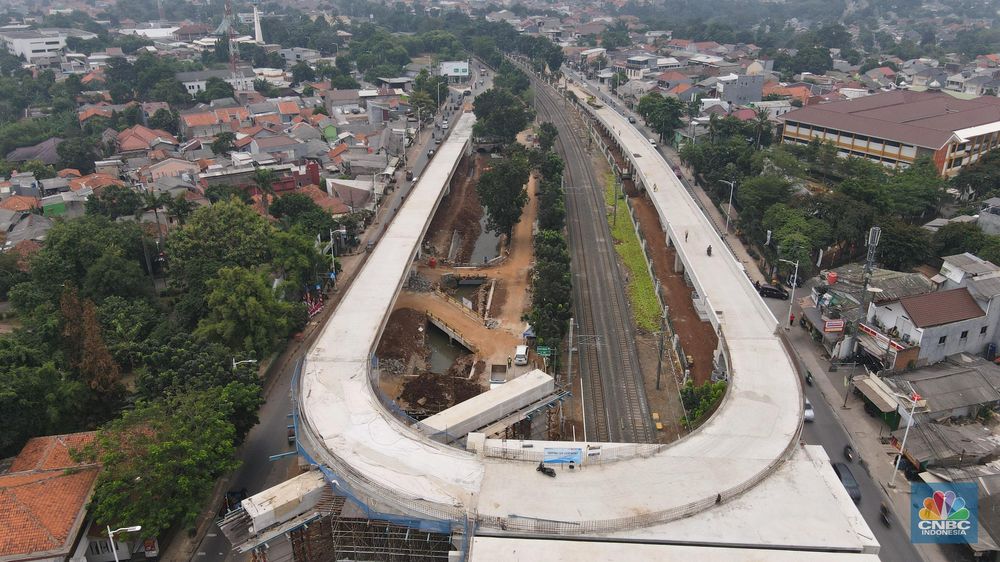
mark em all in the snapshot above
pixel 945 516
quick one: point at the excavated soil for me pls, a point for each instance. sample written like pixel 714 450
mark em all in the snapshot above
pixel 460 211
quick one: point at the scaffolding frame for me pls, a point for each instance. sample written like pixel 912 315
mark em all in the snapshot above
pixel 335 537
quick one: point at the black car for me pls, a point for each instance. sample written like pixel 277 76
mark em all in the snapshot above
pixel 772 292
pixel 232 500
pixel 847 479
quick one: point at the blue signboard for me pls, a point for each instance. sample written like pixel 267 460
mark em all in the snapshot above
pixel 563 455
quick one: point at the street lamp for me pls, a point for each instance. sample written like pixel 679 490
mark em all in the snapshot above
pixel 732 187
pixel 439 92
pixel 111 536
pixel 795 279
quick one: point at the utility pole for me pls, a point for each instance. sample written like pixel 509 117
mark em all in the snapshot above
pixel 659 360
pixel 873 237
pixel 569 370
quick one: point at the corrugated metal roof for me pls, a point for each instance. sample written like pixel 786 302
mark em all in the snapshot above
pixel 971 263
pixel 918 118
pixel 949 385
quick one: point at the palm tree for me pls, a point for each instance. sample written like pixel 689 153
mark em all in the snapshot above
pixel 761 123
pixel 179 208
pixel 153 201
pixel 264 178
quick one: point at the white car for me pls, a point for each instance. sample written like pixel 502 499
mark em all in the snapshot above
pixel 652 141
pixel 810 414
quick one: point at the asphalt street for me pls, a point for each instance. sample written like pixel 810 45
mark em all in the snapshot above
pixel 269 436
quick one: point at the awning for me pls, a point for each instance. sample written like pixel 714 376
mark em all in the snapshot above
pixel 878 396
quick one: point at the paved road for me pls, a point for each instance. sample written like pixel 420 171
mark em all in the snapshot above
pixel 269 436
pixel 615 405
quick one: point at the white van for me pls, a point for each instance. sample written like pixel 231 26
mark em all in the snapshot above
pixel 521 355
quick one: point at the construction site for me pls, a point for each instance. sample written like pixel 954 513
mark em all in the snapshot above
pixel 427 432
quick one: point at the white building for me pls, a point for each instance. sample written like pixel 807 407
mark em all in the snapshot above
pixel 40 46
pixel 455 71
pixel 195 82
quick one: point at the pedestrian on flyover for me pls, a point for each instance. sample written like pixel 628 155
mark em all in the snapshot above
pixel 685 236
pixel 791 320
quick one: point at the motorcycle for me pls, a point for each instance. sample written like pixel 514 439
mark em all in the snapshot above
pixel 809 378
pixel 550 472
pixel 883 512
pixel 849 453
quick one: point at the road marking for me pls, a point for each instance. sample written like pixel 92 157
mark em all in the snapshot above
pixel 213 534
pixel 201 554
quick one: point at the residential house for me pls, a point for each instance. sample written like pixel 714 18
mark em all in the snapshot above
pixel 299 54
pixel 22 226
pixel 138 138
pixel 989 216
pixel 740 89
pixel 45 152
pixel 957 270
pixel 44 497
pixel 171 167
pixel 924 329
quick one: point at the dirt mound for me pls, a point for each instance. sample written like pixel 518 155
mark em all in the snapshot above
pixel 403 336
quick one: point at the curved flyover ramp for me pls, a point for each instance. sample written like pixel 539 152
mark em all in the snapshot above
pixel 347 427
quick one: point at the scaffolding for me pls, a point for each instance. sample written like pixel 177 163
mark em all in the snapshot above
pixel 335 537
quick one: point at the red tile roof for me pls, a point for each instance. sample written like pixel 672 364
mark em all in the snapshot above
pixel 42 504
pixel 94 181
pixel 19 203
pixel 943 307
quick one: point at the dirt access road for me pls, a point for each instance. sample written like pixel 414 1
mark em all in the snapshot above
pixel 511 297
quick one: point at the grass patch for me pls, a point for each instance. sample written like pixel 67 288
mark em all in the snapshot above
pixel 641 289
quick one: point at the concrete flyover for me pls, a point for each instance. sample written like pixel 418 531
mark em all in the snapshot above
pixel 714 487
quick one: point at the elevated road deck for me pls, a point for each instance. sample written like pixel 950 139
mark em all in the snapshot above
pixel 346 427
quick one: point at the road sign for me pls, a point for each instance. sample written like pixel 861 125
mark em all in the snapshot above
pixel 544 351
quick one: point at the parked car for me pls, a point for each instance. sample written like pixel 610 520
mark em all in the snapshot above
pixel 810 414
pixel 772 292
pixel 847 479
pixel 631 119
pixel 232 501
pixel 652 142
pixel 521 355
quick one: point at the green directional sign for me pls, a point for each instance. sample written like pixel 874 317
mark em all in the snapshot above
pixel 544 351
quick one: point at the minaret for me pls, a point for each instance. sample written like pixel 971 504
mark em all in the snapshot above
pixel 258 35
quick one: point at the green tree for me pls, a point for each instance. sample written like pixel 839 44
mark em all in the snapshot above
pixel 36 397
pixel 114 201
pixel 160 461
pixel 215 88
pixel 223 143
pixel 903 246
pixel 10 273
pixel 226 234
pixel 547 134
pixel 114 275
pixel 179 208
pixel 176 362
pixel 299 210
pixel 501 191
pixel 166 120
pixel 244 314
pixel 302 72
pixel 78 153
pixel 223 192
pixel 265 178
pixel 958 238
pixel 501 115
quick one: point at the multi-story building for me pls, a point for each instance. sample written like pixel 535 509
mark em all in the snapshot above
pixel 195 82
pixel 40 46
pixel 895 128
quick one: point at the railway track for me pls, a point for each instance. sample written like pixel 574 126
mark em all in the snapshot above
pixel 613 392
